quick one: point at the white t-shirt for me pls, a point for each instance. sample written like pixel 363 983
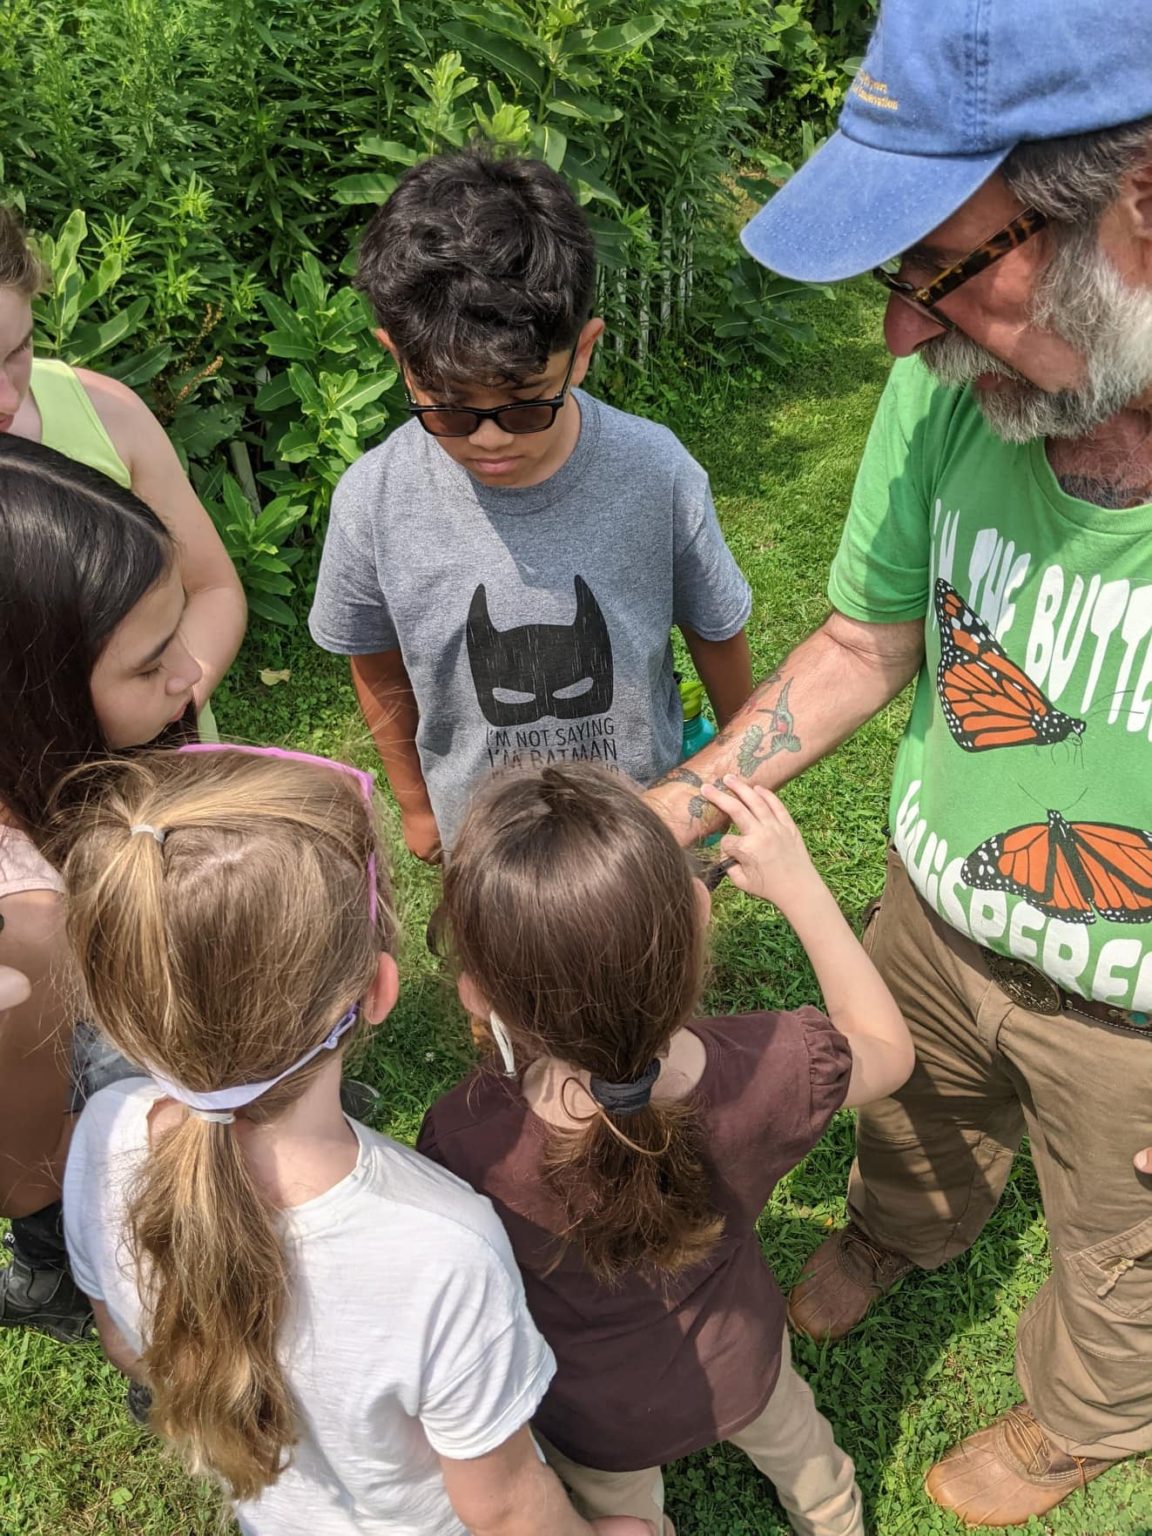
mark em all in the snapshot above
pixel 409 1335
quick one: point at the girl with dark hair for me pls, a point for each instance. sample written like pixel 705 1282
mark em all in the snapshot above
pixel 100 422
pixel 630 1147
pixel 92 662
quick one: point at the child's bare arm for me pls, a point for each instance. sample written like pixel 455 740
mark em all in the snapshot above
pixel 510 1492
pixel 773 863
pixel 35 1053
pixel 114 1344
pixel 392 714
pixel 725 669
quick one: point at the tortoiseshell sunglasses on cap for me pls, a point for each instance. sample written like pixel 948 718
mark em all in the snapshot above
pixel 362 778
pixel 925 297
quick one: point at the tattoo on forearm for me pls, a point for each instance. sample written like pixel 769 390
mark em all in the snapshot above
pixel 755 744
pixel 761 742
pixel 697 806
pixel 732 731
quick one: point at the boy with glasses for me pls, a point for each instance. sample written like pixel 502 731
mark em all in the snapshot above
pixel 504 571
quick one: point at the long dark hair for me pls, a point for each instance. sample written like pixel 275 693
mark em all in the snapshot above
pixel 77 553
pixel 571 906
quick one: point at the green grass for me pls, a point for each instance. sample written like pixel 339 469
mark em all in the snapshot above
pixel 934 1362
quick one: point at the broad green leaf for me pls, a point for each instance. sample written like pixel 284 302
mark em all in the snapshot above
pixel 297 444
pixel 305 387
pixel 274 609
pixel 497 50
pixel 583 108
pixel 199 429
pixel 89 341
pixel 551 145
pixel 281 344
pixel 364 187
pixel 141 368
pixel 235 500
pixel 282 315
pixel 99 282
pixel 275 394
pixel 268 581
pixel 629 34
pixel 388 149
pixel 62 251
pixel 368 390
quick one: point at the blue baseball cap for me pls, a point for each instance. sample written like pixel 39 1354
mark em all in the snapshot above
pixel 946 91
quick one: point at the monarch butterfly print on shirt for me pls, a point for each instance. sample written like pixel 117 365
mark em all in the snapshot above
pixel 988 701
pixel 1071 870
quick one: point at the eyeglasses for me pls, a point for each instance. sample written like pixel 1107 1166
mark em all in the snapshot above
pixel 363 779
pixel 925 298
pixel 518 417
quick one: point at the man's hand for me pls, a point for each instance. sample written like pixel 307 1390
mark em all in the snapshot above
pixel 422 836
pixel 1143 1160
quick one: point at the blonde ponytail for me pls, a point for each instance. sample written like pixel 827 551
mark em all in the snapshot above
pixel 219 953
pixel 216 1292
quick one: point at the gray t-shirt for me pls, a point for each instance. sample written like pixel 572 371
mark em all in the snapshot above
pixel 533 622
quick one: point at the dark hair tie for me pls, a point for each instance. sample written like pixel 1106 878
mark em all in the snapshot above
pixel 625 1098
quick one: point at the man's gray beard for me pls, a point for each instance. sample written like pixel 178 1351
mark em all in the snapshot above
pixel 1083 299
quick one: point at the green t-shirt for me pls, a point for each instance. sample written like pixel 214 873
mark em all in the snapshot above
pixel 1022 796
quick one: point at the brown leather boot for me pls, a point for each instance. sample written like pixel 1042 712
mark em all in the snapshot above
pixel 1005 1474
pixel 841 1281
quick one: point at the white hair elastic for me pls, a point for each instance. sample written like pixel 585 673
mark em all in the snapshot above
pixel 503 1043
pixel 221 1101
pixel 217 1117
pixel 144 826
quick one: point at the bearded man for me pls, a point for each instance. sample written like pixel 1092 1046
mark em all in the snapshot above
pixel 994 167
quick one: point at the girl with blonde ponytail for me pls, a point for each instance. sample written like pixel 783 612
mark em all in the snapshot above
pixel 327 1324
pixel 631 1146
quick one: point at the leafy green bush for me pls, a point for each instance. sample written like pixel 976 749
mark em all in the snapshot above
pixel 198 173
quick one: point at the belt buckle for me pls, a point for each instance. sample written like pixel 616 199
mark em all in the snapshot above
pixel 1023 983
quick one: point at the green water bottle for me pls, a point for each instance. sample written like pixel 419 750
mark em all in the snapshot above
pixel 698 729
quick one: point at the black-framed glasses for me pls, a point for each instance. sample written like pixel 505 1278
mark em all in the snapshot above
pixel 925 297
pixel 517 417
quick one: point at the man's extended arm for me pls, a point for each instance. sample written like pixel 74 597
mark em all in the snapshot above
pixel 831 683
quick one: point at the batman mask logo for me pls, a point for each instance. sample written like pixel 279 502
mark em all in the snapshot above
pixel 534 670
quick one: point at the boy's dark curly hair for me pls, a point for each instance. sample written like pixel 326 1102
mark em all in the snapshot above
pixel 478 267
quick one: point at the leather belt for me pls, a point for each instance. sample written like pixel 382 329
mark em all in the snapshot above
pixel 1029 988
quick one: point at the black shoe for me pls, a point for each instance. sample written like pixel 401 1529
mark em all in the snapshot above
pixel 358 1099
pixel 45 1298
pixel 138 1401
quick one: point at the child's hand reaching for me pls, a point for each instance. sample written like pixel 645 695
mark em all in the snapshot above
pixel 771 860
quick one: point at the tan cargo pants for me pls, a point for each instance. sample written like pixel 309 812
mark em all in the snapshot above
pixel 932 1163
pixel 791 1442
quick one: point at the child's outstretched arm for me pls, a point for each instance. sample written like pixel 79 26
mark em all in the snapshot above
pixel 725 669
pixel 392 715
pixel 773 863
pixel 510 1492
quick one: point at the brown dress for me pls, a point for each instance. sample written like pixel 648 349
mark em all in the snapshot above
pixel 648 1371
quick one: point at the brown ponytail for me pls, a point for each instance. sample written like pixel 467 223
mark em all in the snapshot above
pixel 219 956
pixel 572 908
